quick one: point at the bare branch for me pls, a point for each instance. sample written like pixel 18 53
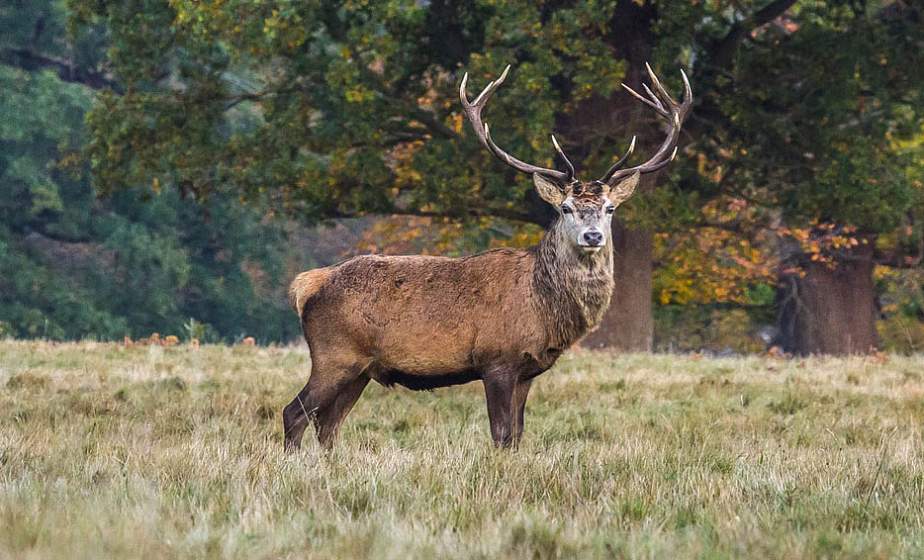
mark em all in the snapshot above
pixel 67 71
pixel 725 48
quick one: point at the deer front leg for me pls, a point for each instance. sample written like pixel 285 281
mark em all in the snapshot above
pixel 520 392
pixel 498 390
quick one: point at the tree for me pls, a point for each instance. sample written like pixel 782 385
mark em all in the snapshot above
pixel 818 144
pixel 333 110
pixel 353 110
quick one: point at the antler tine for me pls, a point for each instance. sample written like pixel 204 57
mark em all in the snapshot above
pixel 657 84
pixel 687 90
pixel 621 160
pixel 563 156
pixel 665 105
pixel 645 100
pixel 653 97
pixel 473 112
pixel 489 89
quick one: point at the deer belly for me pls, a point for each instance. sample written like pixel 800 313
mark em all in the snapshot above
pixel 418 352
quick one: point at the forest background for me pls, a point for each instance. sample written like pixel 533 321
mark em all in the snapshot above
pixel 168 165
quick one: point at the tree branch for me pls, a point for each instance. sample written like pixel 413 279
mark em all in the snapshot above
pixel 412 109
pixel 67 71
pixel 733 227
pixel 723 51
pixel 472 212
pixel 428 119
pixel 507 214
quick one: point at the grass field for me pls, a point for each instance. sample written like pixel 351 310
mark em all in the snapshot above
pixel 151 452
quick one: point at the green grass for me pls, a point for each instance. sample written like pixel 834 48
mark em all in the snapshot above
pixel 108 452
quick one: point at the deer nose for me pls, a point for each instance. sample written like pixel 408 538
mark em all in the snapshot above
pixel 593 237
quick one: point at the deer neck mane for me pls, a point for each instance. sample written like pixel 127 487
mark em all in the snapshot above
pixel 573 287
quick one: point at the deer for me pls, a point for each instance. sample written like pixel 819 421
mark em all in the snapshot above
pixel 503 316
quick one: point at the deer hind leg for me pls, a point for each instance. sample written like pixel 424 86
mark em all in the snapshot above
pixel 295 419
pixel 498 391
pixel 327 421
pixel 332 373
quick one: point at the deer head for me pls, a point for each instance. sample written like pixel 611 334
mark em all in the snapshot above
pixel 586 207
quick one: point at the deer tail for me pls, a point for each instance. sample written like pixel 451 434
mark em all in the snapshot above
pixel 306 285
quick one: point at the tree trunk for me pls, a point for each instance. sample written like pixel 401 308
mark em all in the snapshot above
pixel 628 324
pixel 830 310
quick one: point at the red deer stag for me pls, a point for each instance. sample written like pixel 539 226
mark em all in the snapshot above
pixel 502 316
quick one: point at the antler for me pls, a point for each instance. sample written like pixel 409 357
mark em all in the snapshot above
pixel 664 105
pixel 473 112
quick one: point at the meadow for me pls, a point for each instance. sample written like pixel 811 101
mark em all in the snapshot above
pixel 176 452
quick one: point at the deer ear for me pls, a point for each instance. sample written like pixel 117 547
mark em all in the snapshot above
pixel 623 189
pixel 549 190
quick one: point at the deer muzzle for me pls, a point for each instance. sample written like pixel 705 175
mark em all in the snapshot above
pixel 591 239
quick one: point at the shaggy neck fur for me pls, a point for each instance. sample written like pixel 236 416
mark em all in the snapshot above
pixel 574 287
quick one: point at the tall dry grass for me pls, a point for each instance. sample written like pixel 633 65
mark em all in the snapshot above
pixel 107 452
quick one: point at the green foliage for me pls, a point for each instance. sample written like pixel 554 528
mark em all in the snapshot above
pixel 39 116
pixel 719 329
pixel 816 111
pixel 137 262
pixel 354 110
pixel 195 330
pixel 325 110
pixel 349 110
pixel 36 300
pixel 148 266
pixel 901 333
pixel 901 327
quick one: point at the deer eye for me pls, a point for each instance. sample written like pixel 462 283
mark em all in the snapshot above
pixel 565 209
pixel 610 209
